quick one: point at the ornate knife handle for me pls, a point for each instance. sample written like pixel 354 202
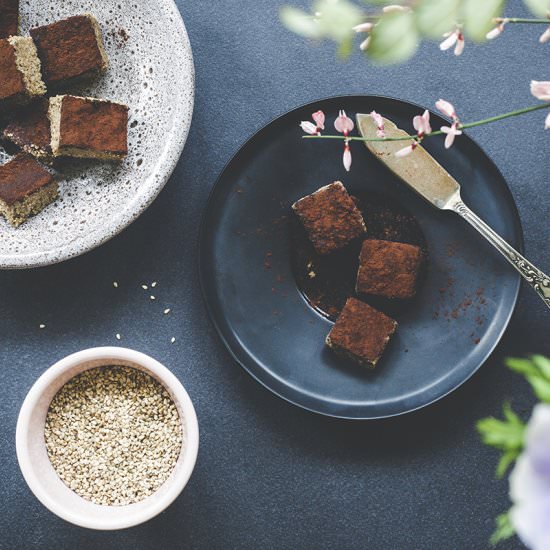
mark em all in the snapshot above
pixel 534 276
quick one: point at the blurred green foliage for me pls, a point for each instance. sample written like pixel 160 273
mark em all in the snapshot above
pixel 397 34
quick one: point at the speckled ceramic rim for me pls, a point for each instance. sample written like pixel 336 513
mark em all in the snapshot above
pixel 168 160
pixel 174 484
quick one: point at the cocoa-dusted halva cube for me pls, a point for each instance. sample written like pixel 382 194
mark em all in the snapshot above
pixel 26 187
pixel 70 50
pixel 87 127
pixel 388 269
pixel 20 78
pixel 361 333
pixel 9 18
pixel 30 130
pixel 330 218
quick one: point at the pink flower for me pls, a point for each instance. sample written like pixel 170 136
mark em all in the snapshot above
pixel 314 129
pixel 347 157
pixel 451 132
pixel 421 124
pixel 379 121
pixel 497 31
pixel 545 36
pixel 344 124
pixel 365 44
pixel 459 48
pixel 407 150
pixel 453 38
pixel 446 108
pixel 309 127
pixel 319 119
pixel 541 89
pixel 364 27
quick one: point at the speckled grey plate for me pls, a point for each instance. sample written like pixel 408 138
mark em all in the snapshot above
pixel 151 70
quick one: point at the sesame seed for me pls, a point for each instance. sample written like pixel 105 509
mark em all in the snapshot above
pixel 115 284
pixel 118 336
pixel 154 284
pixel 152 297
pixel 145 287
pixel 129 435
pixel 167 311
pixel 41 326
pixel 173 339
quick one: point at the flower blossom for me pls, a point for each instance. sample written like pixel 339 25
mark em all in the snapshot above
pixel 314 129
pixel 541 90
pixel 347 157
pixel 364 27
pixel 421 124
pixel 446 108
pixel 545 36
pixel 451 132
pixel 530 483
pixel 407 150
pixel 454 130
pixel 497 31
pixel 345 125
pixel 379 121
pixel 453 38
pixel 365 44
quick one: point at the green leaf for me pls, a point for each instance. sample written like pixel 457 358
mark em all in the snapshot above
pixel 436 17
pixel 394 39
pixel 499 434
pixel 337 18
pixel 522 366
pixel 538 7
pixel 512 418
pixel 505 461
pixel 541 362
pixel 333 19
pixel 506 434
pixel 299 22
pixel 541 387
pixel 478 16
pixel 504 529
pixel 345 48
pixel 536 370
pixel 383 2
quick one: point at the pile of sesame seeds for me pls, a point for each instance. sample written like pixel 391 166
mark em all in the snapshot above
pixel 113 435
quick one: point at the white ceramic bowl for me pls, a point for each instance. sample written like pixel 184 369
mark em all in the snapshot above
pixel 40 474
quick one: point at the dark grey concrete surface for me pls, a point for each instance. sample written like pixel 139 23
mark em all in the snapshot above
pixel 270 475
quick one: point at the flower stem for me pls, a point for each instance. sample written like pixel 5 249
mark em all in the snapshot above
pixel 507 115
pixel 522 20
pixel 439 132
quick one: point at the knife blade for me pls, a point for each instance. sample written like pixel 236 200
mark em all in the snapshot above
pixel 429 179
pixel 418 169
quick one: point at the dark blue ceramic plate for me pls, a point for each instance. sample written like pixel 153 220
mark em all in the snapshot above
pixel 444 336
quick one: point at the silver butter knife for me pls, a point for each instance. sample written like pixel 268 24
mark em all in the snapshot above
pixel 430 180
